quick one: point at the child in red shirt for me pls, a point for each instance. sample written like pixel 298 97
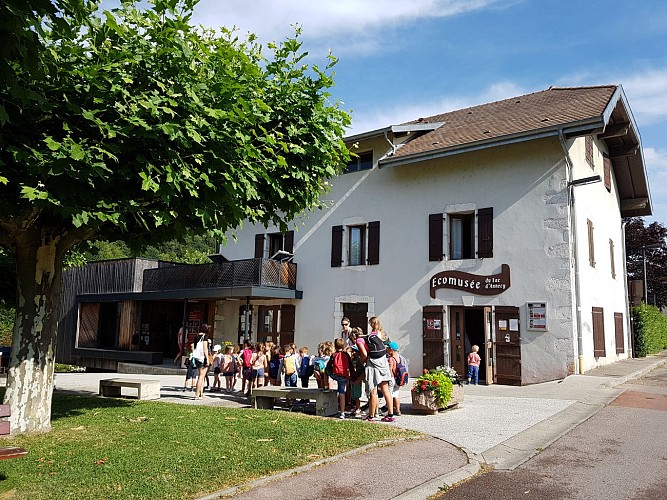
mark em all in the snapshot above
pixel 473 365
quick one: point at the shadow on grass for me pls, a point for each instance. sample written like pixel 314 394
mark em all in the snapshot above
pixel 69 405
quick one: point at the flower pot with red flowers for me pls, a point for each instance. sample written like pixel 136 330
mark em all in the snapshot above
pixel 436 390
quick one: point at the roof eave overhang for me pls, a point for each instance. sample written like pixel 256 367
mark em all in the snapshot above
pixel 254 292
pixel 578 128
pixel 394 129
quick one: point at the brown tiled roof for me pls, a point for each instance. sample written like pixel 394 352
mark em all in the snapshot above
pixel 526 114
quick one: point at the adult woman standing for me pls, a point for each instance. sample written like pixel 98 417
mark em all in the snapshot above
pixel 378 374
pixel 201 354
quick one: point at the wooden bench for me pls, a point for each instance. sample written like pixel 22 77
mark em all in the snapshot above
pixel 326 401
pixel 146 389
pixel 11 451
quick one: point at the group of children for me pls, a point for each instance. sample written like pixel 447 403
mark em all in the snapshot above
pixel 255 365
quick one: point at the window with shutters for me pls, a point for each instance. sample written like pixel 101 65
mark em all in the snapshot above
pixel 591 244
pixel 360 161
pixel 598 333
pixel 461 235
pixel 611 259
pixel 355 245
pixel 589 151
pixel 268 245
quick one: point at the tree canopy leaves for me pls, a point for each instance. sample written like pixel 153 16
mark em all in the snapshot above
pixel 150 127
pixel 637 238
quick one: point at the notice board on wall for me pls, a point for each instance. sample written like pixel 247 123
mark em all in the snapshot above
pixel 537 316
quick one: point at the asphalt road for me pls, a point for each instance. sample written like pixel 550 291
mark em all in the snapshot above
pixel 619 453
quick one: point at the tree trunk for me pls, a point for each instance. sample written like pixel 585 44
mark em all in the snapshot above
pixel 39 255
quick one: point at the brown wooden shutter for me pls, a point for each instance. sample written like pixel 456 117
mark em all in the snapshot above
pixel 435 237
pixel 259 246
pixel 589 151
pixel 336 246
pixel 373 243
pixel 607 172
pixel 591 244
pixel 618 330
pixel 485 232
pixel 598 333
pixel 288 242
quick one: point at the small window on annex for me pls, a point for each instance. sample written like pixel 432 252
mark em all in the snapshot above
pixel 357 245
pixel 360 161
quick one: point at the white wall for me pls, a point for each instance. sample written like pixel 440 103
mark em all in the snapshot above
pixel 526 184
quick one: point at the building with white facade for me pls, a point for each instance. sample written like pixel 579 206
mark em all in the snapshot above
pixel 498 225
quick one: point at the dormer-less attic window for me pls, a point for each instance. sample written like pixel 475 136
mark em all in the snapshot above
pixel 362 161
pixel 589 151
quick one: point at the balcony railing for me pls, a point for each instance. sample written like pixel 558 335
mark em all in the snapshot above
pixel 237 273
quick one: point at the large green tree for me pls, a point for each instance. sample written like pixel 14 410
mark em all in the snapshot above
pixel 648 245
pixel 143 127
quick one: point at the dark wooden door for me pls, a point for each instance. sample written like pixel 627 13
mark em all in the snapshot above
pixel 287 312
pixel 488 342
pixel 508 346
pixel 434 337
pixel 267 324
pixel 457 339
pixel 357 313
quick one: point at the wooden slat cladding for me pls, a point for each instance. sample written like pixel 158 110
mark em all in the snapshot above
pixel 618 331
pixel 485 232
pixel 336 246
pixel 259 246
pixel 118 276
pixel 435 246
pixel 599 350
pixel 373 243
pixel 130 313
pixel 89 320
pixel 607 172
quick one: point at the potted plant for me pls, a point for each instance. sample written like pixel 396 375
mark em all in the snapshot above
pixel 437 389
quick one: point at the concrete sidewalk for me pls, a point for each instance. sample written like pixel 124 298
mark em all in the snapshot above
pixel 501 426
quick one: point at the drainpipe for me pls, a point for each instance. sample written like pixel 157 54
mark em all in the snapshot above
pixel 628 313
pixel 573 225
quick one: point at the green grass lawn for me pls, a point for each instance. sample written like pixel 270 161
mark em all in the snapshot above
pixel 117 448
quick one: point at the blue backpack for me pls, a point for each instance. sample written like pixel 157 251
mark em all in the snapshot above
pixel 306 369
pixel 274 367
pixel 402 374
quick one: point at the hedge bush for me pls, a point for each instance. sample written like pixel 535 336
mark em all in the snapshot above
pixel 6 324
pixel 650 330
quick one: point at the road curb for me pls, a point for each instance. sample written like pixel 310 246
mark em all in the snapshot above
pixel 304 468
pixel 615 381
pixel 440 483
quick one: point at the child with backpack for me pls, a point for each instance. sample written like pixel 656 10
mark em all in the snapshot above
pixel 227 367
pixel 246 370
pixel 357 370
pixel 399 371
pixel 289 366
pixel 306 368
pixel 338 368
pixel 274 365
pixel 320 363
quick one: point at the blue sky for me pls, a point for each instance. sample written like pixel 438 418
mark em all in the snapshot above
pixel 402 59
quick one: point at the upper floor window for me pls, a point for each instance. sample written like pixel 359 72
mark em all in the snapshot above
pixel 356 245
pixel 461 237
pixel 268 245
pixel 361 242
pixel 360 161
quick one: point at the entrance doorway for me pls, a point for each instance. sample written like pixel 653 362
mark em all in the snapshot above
pixel 357 313
pixel 470 326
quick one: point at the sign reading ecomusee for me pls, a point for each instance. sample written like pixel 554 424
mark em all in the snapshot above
pixel 472 283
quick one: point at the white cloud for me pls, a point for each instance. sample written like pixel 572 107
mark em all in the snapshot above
pixel 358 24
pixel 656 165
pixel 646 95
